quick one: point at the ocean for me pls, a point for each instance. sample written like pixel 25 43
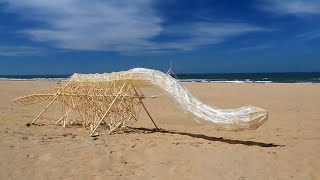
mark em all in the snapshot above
pixel 309 77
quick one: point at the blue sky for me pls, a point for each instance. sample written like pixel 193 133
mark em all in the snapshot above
pixel 218 36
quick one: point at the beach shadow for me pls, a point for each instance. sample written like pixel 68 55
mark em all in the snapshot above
pixel 209 138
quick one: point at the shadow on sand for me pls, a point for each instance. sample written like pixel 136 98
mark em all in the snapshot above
pixel 209 138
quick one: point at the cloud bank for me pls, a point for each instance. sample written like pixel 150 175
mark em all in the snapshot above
pixel 20 51
pixel 291 7
pixel 118 26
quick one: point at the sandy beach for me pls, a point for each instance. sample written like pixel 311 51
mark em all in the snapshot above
pixel 287 146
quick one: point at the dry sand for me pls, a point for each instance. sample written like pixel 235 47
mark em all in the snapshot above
pixel 285 147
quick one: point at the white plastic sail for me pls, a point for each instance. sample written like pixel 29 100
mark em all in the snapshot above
pixel 244 118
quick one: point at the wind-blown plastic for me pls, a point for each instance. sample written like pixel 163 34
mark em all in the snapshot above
pixel 244 118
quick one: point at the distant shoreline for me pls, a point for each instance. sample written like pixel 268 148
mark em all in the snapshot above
pixel 182 81
pixel 305 78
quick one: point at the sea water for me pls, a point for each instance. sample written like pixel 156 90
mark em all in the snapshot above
pixel 300 77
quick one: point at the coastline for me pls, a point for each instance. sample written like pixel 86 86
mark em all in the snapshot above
pixel 289 77
pixel 182 81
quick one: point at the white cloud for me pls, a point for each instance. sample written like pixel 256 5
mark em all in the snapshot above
pixel 291 7
pixel 121 26
pixel 194 35
pixel 251 48
pixel 199 34
pixel 89 25
pixel 309 36
pixel 20 51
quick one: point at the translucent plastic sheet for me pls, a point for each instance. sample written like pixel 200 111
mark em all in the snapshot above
pixel 244 118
